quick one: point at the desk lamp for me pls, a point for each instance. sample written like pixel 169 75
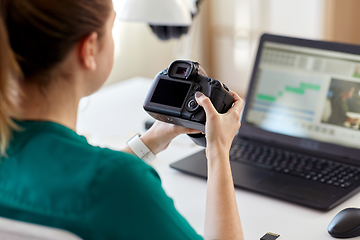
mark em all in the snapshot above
pixel 167 18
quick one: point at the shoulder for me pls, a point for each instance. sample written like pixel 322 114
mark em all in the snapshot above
pixel 69 164
pixel 70 146
pixel 104 164
pixel 123 169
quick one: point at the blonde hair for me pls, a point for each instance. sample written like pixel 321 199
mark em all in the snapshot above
pixel 9 72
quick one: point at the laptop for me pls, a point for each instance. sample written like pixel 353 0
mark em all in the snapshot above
pixel 299 139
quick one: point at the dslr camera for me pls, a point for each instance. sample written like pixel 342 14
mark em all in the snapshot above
pixel 171 97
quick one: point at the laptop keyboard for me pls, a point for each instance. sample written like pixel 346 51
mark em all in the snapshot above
pixel 299 165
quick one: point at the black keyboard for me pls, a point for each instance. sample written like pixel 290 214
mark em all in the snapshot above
pixel 296 164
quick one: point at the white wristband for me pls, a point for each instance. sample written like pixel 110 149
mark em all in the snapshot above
pixel 140 149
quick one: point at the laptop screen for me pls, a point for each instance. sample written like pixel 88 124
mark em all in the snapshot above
pixel 308 93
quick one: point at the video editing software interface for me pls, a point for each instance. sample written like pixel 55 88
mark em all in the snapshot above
pixel 308 93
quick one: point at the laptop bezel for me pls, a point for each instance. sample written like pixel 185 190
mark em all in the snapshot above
pixel 349 155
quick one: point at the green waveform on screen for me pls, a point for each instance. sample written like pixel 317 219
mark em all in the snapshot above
pixel 296 90
pixel 266 97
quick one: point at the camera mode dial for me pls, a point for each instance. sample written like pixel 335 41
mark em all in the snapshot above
pixel 215 82
pixel 192 105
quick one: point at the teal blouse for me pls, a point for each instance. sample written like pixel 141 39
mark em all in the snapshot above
pixel 53 177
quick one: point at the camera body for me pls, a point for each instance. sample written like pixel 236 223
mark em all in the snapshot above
pixel 171 97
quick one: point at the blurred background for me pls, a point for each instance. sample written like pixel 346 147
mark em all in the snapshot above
pixel 224 36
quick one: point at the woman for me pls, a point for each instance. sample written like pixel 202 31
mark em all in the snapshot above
pixel 53 53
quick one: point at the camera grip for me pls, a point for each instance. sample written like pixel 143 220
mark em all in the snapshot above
pixel 218 100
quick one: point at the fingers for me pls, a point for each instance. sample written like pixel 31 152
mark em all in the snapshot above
pixel 192 131
pixel 237 98
pixel 185 130
pixel 165 128
pixel 205 102
pixel 210 109
pixel 238 103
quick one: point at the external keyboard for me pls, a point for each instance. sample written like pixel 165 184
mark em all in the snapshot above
pixel 296 164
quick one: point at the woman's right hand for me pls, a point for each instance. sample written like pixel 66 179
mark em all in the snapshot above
pixel 220 129
pixel 222 219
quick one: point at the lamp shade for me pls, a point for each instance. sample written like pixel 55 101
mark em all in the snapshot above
pixel 156 12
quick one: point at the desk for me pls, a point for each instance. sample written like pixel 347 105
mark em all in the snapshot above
pixel 109 118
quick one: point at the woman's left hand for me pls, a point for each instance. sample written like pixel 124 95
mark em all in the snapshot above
pixel 159 136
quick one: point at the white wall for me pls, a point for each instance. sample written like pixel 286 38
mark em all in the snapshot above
pixel 138 52
pixel 236 25
pixel 300 18
pixel 240 23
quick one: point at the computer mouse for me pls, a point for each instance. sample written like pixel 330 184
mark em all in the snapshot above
pixel 345 224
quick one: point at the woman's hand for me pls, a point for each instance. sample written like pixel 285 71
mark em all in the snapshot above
pixel 222 219
pixel 220 129
pixel 159 136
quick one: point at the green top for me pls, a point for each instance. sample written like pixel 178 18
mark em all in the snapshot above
pixel 53 177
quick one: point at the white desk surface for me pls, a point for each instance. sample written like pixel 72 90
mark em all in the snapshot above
pixel 109 118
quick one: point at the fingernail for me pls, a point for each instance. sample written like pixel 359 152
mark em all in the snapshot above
pixel 198 94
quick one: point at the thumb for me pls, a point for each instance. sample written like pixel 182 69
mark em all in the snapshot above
pixel 206 103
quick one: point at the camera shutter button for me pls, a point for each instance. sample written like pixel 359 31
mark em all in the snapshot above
pixel 227 89
pixel 217 83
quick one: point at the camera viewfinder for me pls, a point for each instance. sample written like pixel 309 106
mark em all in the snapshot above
pixel 181 70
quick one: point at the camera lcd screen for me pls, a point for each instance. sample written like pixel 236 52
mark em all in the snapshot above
pixel 171 93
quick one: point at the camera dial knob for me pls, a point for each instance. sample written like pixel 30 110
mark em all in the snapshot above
pixel 192 105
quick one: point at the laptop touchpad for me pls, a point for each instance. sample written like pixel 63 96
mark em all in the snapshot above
pixel 248 175
pixel 305 193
